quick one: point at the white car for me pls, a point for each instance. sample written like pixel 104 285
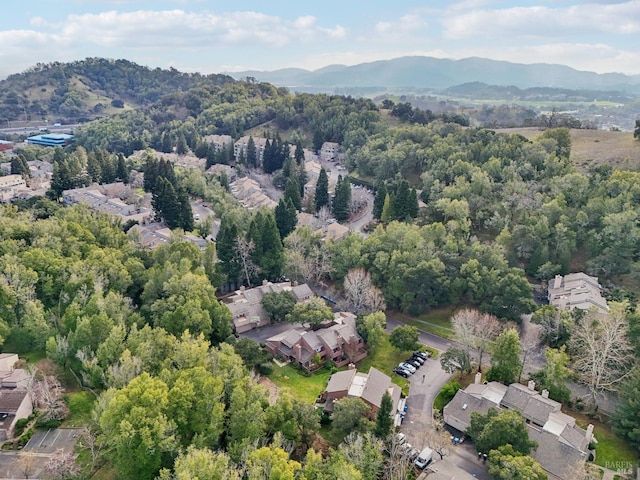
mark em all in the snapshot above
pixel 409 367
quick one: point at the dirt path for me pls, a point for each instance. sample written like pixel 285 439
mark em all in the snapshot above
pixel 272 387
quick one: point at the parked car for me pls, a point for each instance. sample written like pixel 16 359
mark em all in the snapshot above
pixel 413 454
pixel 407 366
pixel 402 372
pixel 401 438
pixel 420 360
pixel 413 362
pixel 424 355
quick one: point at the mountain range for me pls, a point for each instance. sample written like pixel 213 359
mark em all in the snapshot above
pixel 406 73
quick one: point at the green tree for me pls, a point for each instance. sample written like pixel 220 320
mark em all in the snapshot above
pixel 388 212
pixel 122 172
pixel 626 419
pixel 349 415
pixel 251 153
pixel 636 131
pixel 365 452
pixel 322 190
pixel 312 312
pixel 271 463
pixel 278 304
pixel 182 148
pixel 292 193
pixel 371 328
pixel 286 217
pixel 456 359
pixel 299 153
pixel 405 338
pixel 136 428
pixel 251 352
pixel 498 428
pixel 505 358
pixel 225 244
pixel 384 418
pixel 507 464
pixel 202 463
pixel 379 200
pixel 341 204
pixel 554 375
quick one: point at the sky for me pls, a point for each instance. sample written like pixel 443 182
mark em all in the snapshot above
pixel 214 36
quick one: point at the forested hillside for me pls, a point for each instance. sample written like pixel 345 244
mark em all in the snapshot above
pixel 83 90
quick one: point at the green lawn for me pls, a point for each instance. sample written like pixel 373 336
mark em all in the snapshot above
pixel 302 387
pixel 385 358
pixel 610 448
pixel 80 406
pixel 437 321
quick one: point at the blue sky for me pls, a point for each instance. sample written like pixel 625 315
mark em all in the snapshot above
pixel 215 36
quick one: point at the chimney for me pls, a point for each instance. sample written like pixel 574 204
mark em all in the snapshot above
pixel 545 393
pixel 298 352
pixel 478 378
pixel 242 288
pixel 352 366
pixel 265 282
pixel 589 435
pixel 532 385
pixel 294 283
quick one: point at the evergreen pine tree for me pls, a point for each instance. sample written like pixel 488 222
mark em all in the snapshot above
pixel 318 140
pixel 387 210
pixel 401 201
pixel 58 155
pixel 122 172
pixel 378 201
pixel 412 208
pixel 166 142
pixel 384 420
pixel 322 190
pixel 342 201
pixel 302 178
pixel 184 207
pixel 150 174
pixel 226 251
pixel 288 168
pixel 251 153
pixel 292 192
pixel 271 261
pixel 107 166
pixel 268 157
pixel 299 153
pixel 93 167
pixel 182 147
pixel 286 217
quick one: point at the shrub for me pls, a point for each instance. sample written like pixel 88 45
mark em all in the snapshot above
pixel 445 395
pixel 22 441
pixel 20 424
pixel 265 369
pixel 47 423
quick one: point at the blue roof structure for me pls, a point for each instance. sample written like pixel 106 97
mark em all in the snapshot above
pixel 51 139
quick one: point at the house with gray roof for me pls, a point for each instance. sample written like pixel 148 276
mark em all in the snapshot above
pixel 15 401
pixel 337 341
pixel 246 304
pixel 370 387
pixel 577 290
pixel 561 443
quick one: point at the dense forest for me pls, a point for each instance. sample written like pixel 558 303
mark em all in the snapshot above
pixel 146 332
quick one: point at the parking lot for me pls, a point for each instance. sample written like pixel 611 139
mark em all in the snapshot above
pixel 52 440
pixel 32 459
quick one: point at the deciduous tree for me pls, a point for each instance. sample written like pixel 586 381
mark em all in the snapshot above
pixel 505 358
pixel 361 295
pixel 405 338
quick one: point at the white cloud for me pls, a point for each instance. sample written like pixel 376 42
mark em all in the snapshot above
pixel 180 29
pixel 542 21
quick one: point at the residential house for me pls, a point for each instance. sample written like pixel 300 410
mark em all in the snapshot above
pixel 250 195
pixel 246 307
pixel 329 151
pixel 108 198
pixel 241 146
pixel 153 234
pixel 337 341
pixel 370 387
pixel 15 401
pixel 577 290
pixel 11 186
pixel 218 142
pixel 334 231
pixel 561 443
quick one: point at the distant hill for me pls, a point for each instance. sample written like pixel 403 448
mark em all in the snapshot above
pixel 438 73
pixel 90 88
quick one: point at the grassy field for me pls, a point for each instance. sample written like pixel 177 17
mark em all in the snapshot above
pixel 302 387
pixel 437 321
pixel 610 449
pixel 80 406
pixel 385 358
pixel 590 148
